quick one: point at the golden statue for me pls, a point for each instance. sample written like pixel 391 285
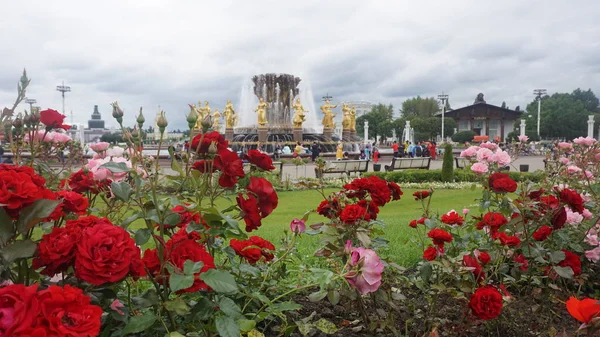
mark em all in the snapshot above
pixel 353 118
pixel 229 115
pixel 299 116
pixel 205 110
pixel 262 112
pixel 216 116
pixel 193 109
pixel 346 119
pixel 329 115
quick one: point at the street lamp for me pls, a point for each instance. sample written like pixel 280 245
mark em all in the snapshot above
pixel 64 88
pixel 30 101
pixel 443 97
pixel 538 94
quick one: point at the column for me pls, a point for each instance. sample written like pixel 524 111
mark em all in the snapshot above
pixel 502 130
pixel 522 127
pixel 366 132
pixel 590 122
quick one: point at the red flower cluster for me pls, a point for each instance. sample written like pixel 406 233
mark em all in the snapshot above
pixel 452 218
pixel 71 202
pixel 253 249
pixel 431 252
pixel 201 142
pixel 573 199
pixel 571 260
pixel 520 259
pixel 185 249
pixel 472 263
pixel 380 190
pixel 542 233
pixel 484 257
pixel 231 167
pixel 260 160
pixel 507 240
pixel 249 212
pixel 439 236
pixel 261 201
pixel 353 214
pixel 83 181
pixel 493 221
pixel 501 183
pixel 414 223
pixel 55 311
pixel 52 119
pixel 329 208
pixel 185 217
pixel 486 303
pixel 204 166
pixel 420 195
pixel 20 187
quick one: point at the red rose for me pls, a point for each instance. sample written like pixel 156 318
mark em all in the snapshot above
pixel 201 142
pixel 475 267
pixel 83 181
pixel 414 223
pixel 105 254
pixel 18 308
pixel 231 168
pixel 52 119
pixel 260 160
pixel 535 195
pixel 87 221
pixel 182 234
pixel 486 303
pixel 68 312
pixel 559 218
pixel 452 218
pixel 520 258
pixel 586 311
pixel 501 183
pixel 395 190
pixel 185 217
pixel 184 250
pixel 506 240
pixel 372 209
pixel 484 257
pixel 351 214
pixel 204 166
pixel 19 188
pixel 430 253
pixel 571 260
pixel 542 233
pixel 493 221
pixel 265 193
pixel 573 199
pixel 439 236
pixel 549 202
pixel 249 212
pixel 56 251
pixel 420 195
pixel 328 208
pixel 376 187
pixel 253 249
pixel 73 202
pixel 151 261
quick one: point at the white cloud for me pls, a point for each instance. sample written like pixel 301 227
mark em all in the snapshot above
pixel 171 53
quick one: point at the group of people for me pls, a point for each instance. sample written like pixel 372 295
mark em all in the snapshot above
pixel 410 150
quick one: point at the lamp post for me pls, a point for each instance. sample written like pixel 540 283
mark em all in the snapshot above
pixel 443 97
pixel 64 88
pixel 30 101
pixel 538 94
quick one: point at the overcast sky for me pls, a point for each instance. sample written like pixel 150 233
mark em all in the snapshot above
pixel 171 53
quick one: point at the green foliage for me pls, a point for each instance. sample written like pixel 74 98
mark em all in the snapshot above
pixel 421 107
pixel 448 164
pixel 427 128
pixel 112 138
pixel 380 121
pixel 460 175
pixel 463 136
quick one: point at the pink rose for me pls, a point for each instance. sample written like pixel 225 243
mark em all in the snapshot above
pixel 502 158
pixel 593 255
pixel 298 226
pixel 100 147
pixel 587 214
pixel 365 269
pixel 565 146
pixel 587 141
pixel 564 161
pixel 523 139
pixel 60 138
pixel 573 218
pixel 480 168
pixel 115 151
pixel 470 152
pixel 465 211
pixel 484 155
pixel 573 169
pixel 490 146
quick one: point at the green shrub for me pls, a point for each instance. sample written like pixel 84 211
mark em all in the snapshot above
pixel 448 164
pixel 463 136
pixel 460 175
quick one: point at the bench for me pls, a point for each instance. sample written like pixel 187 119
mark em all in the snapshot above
pixel 409 163
pixel 277 164
pixel 461 162
pixel 346 166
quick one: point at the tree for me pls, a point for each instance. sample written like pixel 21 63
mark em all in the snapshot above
pixel 448 164
pixel 112 138
pixel 380 121
pixel 589 100
pixel 463 136
pixel 422 107
pixel 431 127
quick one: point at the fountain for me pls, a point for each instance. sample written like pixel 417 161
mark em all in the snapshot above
pixel 279 92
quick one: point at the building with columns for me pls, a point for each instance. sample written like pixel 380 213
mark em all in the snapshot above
pixel 485 119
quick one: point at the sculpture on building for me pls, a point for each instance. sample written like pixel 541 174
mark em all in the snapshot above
pixel 261 109
pixel 229 115
pixel 328 114
pixel 479 99
pixel 216 117
pixel 299 116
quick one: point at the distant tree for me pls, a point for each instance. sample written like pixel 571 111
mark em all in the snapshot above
pixel 463 136
pixel 589 100
pixel 380 121
pixel 448 164
pixel 112 138
pixel 430 127
pixel 422 107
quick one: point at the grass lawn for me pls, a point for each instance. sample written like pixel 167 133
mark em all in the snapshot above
pixel 396 215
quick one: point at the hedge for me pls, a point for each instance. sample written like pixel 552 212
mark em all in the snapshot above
pixel 460 175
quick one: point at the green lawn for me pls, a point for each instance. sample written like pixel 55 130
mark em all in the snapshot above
pixel 396 215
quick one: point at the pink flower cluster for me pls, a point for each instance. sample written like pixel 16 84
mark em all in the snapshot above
pixel 486 155
pixel 523 139
pixel 592 240
pixel 587 141
pixel 101 173
pixel 53 137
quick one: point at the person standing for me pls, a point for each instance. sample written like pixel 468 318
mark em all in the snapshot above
pixel 339 151
pixel 315 151
pixel 395 147
pixel 298 150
